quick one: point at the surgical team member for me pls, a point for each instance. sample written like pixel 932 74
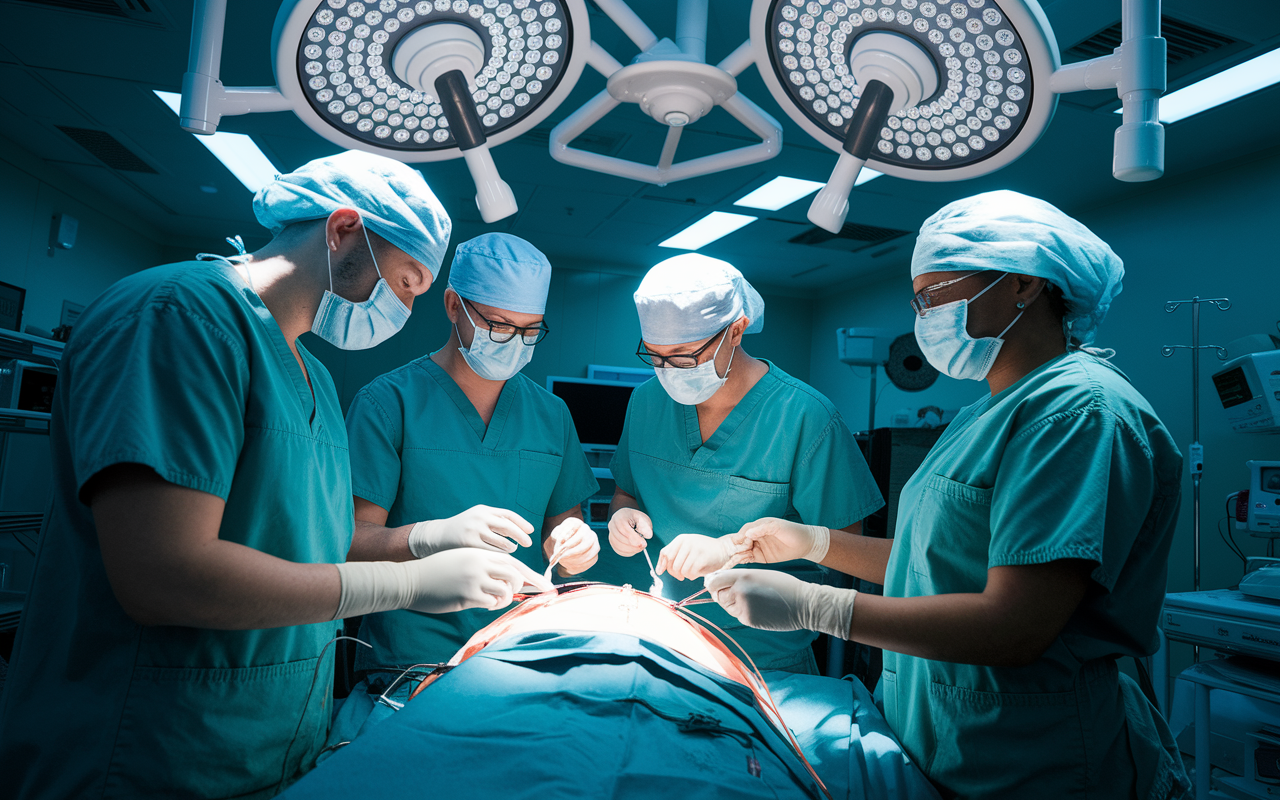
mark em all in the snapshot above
pixel 458 449
pixel 722 439
pixel 1032 543
pixel 173 642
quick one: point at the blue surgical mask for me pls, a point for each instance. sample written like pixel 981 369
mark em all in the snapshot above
pixel 491 360
pixel 944 338
pixel 359 326
pixel 695 385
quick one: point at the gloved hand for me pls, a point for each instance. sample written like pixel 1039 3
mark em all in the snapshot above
pixel 450 581
pixel 629 531
pixel 483 527
pixel 770 540
pixel 575 547
pixel 775 601
pixel 692 555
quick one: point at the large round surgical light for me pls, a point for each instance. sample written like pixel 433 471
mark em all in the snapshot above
pixel 364 69
pixel 947 90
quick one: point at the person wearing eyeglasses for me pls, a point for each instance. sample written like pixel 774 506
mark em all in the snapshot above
pixel 720 440
pixel 458 449
pixel 1032 544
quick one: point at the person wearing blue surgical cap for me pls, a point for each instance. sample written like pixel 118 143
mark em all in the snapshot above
pixel 720 441
pixel 1032 544
pixel 459 449
pixel 188 580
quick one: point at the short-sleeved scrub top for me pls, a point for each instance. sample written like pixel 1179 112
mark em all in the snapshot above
pixel 182 369
pixel 783 451
pixel 1070 462
pixel 420 450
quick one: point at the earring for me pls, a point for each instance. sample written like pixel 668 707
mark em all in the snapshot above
pixel 1022 305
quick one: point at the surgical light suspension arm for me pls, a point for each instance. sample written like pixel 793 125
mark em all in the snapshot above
pixel 831 205
pixel 494 197
pixel 205 101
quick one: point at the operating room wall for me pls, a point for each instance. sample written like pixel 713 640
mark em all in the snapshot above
pixel 1210 234
pixel 593 321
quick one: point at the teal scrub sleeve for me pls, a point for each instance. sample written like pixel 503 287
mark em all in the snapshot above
pixel 1074 486
pixel 576 481
pixel 620 465
pixel 166 389
pixel 376 439
pixel 830 483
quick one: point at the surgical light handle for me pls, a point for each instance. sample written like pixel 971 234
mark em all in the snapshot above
pixel 205 101
pixel 831 205
pixel 494 197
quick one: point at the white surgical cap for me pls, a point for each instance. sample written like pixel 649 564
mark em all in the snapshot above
pixel 691 297
pixel 503 271
pixel 392 198
pixel 1011 232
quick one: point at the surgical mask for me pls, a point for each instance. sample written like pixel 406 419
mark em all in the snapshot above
pixel 695 385
pixel 359 326
pixel 492 360
pixel 943 336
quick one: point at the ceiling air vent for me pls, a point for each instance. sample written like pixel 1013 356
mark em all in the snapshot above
pixel 107 149
pixel 1186 41
pixel 851 238
pixel 137 10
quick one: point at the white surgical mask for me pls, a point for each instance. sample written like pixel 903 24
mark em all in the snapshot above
pixel 695 385
pixel 943 336
pixel 359 326
pixel 491 360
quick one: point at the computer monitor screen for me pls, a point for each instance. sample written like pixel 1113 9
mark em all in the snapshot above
pixel 598 408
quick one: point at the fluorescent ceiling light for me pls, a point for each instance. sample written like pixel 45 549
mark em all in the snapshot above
pixel 707 230
pixel 1230 84
pixel 783 191
pixel 236 151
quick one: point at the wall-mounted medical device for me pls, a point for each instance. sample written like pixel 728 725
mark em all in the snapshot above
pixel 1249 389
pixel 1257 509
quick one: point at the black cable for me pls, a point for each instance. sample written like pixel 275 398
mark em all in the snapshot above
pixel 1230 542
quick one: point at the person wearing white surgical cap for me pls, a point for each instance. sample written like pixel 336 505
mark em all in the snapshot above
pixel 188 580
pixel 459 449
pixel 1032 544
pixel 720 441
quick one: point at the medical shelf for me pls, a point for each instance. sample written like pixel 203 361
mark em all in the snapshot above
pixel 14 420
pixel 27 347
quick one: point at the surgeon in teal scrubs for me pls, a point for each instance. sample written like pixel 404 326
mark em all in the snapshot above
pixel 720 440
pixel 1032 544
pixel 458 448
pixel 174 640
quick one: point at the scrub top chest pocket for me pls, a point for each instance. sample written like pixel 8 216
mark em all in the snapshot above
pixel 949 535
pixel 744 500
pixel 539 473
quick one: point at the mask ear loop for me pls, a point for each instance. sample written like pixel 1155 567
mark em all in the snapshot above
pixel 1021 305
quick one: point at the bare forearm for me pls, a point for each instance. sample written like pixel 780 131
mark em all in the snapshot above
pixel 621 500
pixel 371 541
pixel 227 586
pixel 961 628
pixel 865 557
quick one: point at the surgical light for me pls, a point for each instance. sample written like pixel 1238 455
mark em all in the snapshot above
pixel 945 90
pixel 415 81
pixel 237 152
pixel 1230 84
pixel 707 230
pixel 783 191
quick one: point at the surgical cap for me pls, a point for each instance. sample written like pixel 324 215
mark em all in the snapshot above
pixel 393 200
pixel 503 271
pixel 690 297
pixel 1011 232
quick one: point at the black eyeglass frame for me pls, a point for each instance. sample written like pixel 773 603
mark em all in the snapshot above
pixel 541 329
pixel 648 356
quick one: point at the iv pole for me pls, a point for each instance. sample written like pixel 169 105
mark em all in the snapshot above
pixel 1196 453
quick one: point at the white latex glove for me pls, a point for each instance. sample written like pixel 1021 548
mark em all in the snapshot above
pixel 775 601
pixel 574 546
pixel 692 555
pixel 483 527
pixel 770 540
pixel 629 531
pixel 450 581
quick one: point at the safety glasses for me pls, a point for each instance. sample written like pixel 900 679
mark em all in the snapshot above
pixel 928 297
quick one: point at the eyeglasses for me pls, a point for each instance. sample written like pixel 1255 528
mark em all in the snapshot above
pixel 680 360
pixel 503 332
pixel 926 298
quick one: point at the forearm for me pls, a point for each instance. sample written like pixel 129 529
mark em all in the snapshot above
pixel 865 557
pixel 227 586
pixel 371 541
pixel 960 628
pixel 622 500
